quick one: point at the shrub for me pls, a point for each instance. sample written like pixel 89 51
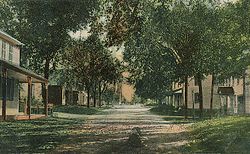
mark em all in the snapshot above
pixel 74 109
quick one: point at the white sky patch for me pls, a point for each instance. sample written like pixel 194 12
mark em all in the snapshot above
pixel 81 34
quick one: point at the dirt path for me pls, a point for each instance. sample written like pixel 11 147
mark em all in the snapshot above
pixel 108 133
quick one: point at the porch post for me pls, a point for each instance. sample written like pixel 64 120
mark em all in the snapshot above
pixel 46 99
pixel 4 92
pixel 29 96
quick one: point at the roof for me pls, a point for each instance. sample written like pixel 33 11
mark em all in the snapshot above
pixel 20 73
pixel 226 90
pixel 10 38
pixel 177 91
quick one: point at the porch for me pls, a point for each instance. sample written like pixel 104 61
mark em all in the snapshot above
pixel 11 77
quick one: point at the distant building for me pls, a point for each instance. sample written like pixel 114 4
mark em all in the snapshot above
pixel 227 96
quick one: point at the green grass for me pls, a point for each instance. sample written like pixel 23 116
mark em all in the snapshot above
pixel 39 136
pixel 169 110
pixel 164 110
pixel 222 135
pixel 74 109
pixel 180 119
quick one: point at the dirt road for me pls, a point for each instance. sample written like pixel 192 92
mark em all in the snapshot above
pixel 108 132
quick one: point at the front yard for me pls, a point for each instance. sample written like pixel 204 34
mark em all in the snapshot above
pixel 36 136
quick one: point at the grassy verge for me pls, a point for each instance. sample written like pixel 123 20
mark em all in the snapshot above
pixel 36 136
pixel 172 114
pixel 74 109
pixel 169 110
pixel 222 135
pixel 165 110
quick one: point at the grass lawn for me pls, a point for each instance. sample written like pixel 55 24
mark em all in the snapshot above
pixel 36 136
pixel 222 135
pixel 75 109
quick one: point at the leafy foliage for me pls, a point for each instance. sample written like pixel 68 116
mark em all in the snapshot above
pixel 92 65
pixel 43 27
pixel 117 20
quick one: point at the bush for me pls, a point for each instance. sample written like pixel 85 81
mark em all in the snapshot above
pixel 74 109
pixel 164 109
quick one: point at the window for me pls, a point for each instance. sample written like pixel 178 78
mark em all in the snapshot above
pixel 33 90
pixel 240 99
pixel 10 53
pixel 4 46
pixel 230 82
pixel 196 97
pixel 9 90
pixel 195 81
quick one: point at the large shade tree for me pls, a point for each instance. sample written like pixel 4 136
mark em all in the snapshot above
pixel 44 26
pixel 182 31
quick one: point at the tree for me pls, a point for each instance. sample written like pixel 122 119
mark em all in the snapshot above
pixel 151 66
pixel 194 32
pixel 91 65
pixel 189 31
pixel 43 26
pixel 197 34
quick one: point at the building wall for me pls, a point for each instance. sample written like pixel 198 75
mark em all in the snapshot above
pixel 12 107
pixel 16 56
pixel 127 92
pixel 206 87
pixel 127 89
pixel 82 98
pixel 16 52
pixel 247 91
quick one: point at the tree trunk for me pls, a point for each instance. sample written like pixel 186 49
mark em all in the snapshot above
pixel 46 68
pixel 226 106
pixel 200 94
pixel 244 90
pixel 186 97
pixel 46 76
pixel 88 93
pixel 212 95
pixel 99 94
pixel 94 93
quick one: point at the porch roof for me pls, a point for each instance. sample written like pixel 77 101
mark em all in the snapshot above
pixel 225 90
pixel 20 73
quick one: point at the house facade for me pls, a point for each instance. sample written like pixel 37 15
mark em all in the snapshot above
pixel 12 75
pixel 227 96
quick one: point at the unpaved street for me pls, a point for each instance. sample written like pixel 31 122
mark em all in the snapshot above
pixel 108 132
